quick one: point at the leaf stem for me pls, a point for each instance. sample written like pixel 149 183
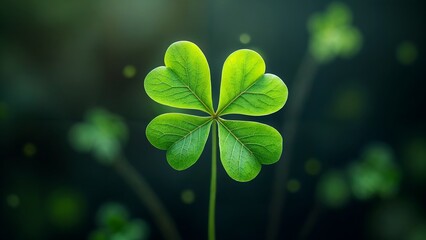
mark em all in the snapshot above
pixel 148 198
pixel 212 203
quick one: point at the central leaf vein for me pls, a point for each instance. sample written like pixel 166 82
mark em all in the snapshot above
pixel 190 132
pixel 193 93
pixel 235 137
pixel 238 96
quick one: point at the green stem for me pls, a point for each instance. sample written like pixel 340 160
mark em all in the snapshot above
pixel 302 85
pixel 140 186
pixel 212 203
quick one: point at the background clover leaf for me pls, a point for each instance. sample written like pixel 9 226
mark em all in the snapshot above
pixel 332 34
pixel 375 174
pixel 246 89
pixel 183 136
pixel 102 133
pixel 114 222
pixel 185 80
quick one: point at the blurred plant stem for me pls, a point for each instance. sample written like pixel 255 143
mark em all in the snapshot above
pixel 298 94
pixel 311 220
pixel 148 198
pixel 212 203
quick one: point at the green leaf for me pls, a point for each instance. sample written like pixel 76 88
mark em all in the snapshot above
pixel 244 146
pixel 183 136
pixel 246 89
pixel 185 80
pixel 332 34
pixel 102 133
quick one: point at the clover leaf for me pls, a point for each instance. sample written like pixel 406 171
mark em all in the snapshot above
pixel 184 82
pixel 114 223
pixel 102 133
pixel 332 34
pixel 376 174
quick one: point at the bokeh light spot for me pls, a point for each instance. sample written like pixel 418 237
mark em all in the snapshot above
pixel 65 208
pixel 245 38
pixel 313 166
pixel 406 53
pixel 350 103
pixel 13 200
pixel 187 196
pixel 293 185
pixel 29 150
pixel 129 71
pixel 333 189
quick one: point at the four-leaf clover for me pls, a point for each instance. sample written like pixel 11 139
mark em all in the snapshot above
pixel 332 34
pixel 184 82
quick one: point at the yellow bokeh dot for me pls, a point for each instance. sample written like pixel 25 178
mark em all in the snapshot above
pixel 13 200
pixel 245 38
pixel 187 196
pixel 29 150
pixel 129 71
pixel 313 166
pixel 293 185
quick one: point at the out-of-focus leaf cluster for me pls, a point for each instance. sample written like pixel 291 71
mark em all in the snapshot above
pixel 374 174
pixel 114 223
pixel 102 133
pixel 332 34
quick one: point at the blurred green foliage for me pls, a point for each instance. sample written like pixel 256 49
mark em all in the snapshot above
pixel 332 34
pixel 375 174
pixel 114 223
pixel 333 189
pixel 102 133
